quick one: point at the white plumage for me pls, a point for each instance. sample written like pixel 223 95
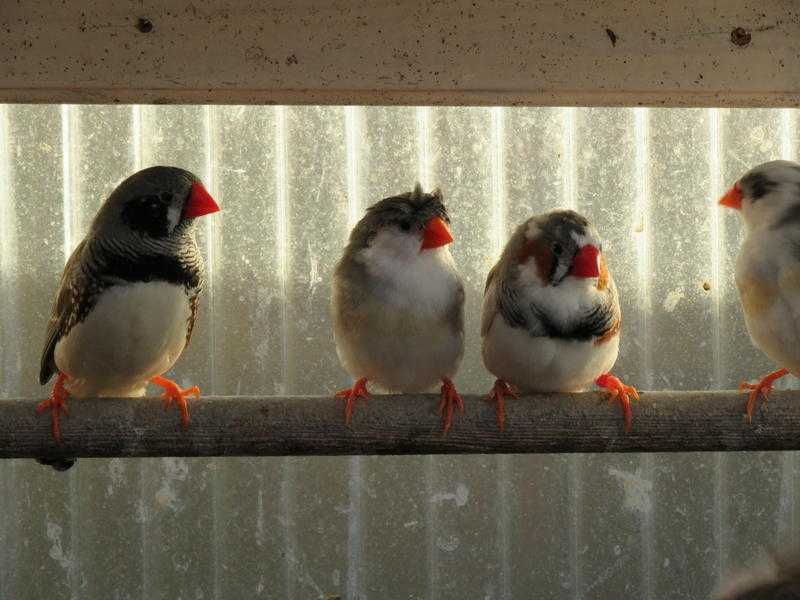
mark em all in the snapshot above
pixel 545 364
pixel 133 333
pixel 768 278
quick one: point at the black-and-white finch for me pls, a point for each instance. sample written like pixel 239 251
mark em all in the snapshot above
pixel 398 302
pixel 768 266
pixel 128 296
pixel 551 315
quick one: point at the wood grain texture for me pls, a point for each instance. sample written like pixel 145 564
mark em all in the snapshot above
pixel 307 426
pixel 403 52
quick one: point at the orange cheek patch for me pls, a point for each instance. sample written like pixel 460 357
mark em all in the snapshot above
pixel 541 254
pixel 602 281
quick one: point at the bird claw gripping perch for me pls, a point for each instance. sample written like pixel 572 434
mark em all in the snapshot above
pixel 57 403
pixel 619 390
pixel 173 393
pixel 763 387
pixel 448 399
pixel 359 390
pixel 498 395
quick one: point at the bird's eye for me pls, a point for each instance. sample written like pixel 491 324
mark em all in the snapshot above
pixel 405 225
pixel 151 202
pixel 557 249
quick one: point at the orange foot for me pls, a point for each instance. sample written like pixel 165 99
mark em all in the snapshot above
pixel 359 389
pixel 763 387
pixel 498 394
pixel 57 403
pixel 173 393
pixel 448 400
pixel 621 391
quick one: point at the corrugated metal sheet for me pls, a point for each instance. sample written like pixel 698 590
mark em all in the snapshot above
pixel 292 180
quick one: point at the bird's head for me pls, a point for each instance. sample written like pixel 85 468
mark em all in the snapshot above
pixel 157 203
pixel 404 226
pixel 560 246
pixel 767 194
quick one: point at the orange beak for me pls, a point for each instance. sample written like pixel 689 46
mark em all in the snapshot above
pixel 199 203
pixel 436 234
pixel 586 263
pixel 733 198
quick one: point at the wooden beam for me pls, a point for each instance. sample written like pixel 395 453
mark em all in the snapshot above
pixel 539 52
pixel 304 426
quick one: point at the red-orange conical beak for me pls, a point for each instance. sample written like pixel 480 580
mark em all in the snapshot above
pixel 436 234
pixel 586 263
pixel 199 203
pixel 733 198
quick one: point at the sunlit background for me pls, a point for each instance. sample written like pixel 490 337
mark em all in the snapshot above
pixel 292 181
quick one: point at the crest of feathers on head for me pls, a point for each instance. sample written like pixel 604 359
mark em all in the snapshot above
pixel 409 205
pixel 418 194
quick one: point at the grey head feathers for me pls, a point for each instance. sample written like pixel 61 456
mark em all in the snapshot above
pixel 770 196
pixel 148 205
pixel 138 234
pixel 551 240
pixel 408 212
pixel 762 180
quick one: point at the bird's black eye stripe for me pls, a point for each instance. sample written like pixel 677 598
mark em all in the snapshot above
pixel 557 249
pixel 758 185
pixel 151 202
pixel 147 215
pixel 405 225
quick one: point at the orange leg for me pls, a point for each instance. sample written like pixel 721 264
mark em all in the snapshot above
pixel 359 389
pixel 498 394
pixel 173 393
pixel 619 390
pixel 449 399
pixel 57 403
pixel 763 387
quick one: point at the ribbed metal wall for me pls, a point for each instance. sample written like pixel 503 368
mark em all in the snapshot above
pixel 292 180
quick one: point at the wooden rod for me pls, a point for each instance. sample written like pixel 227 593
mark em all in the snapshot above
pixel 401 424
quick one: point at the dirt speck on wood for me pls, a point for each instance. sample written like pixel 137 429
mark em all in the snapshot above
pixel 740 36
pixel 612 36
pixel 144 25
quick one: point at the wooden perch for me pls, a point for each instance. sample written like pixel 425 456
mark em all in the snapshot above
pixel 303 426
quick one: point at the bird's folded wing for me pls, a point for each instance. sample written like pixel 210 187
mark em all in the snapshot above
pixel 489 309
pixel 600 320
pixel 63 310
pixel 455 312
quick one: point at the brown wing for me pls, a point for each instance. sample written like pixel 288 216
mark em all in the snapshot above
pixel 62 315
pixel 194 301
